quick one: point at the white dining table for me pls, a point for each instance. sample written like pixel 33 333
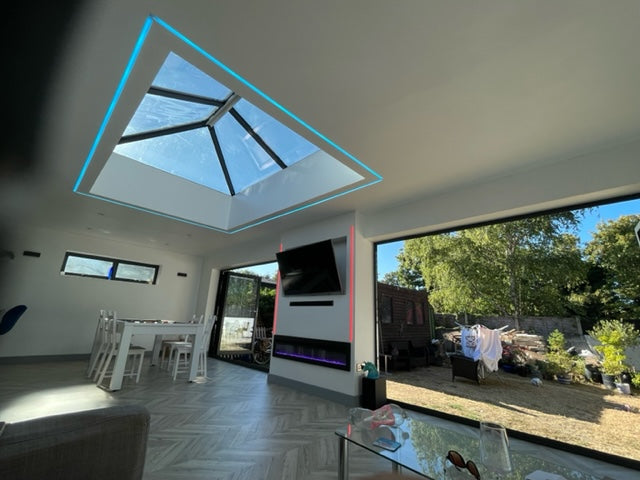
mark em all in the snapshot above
pixel 158 328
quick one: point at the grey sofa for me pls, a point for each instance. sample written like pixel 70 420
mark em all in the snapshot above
pixel 105 443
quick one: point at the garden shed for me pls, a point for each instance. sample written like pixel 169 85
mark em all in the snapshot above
pixel 405 325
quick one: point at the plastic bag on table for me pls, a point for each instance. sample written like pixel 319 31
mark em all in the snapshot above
pixel 390 415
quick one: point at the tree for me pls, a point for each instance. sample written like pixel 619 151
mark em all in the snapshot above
pixel 615 250
pixel 404 277
pixel 523 267
pixel 583 300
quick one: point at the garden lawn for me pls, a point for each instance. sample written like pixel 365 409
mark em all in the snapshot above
pixel 583 414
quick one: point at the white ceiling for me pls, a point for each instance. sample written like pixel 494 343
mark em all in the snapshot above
pixel 436 96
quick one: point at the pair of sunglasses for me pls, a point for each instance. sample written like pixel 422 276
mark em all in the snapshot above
pixel 456 459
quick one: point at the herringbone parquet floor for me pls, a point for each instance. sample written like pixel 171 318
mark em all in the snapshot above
pixel 233 426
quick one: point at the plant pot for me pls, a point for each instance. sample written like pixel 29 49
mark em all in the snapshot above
pixel 509 368
pixel 609 381
pixel 624 388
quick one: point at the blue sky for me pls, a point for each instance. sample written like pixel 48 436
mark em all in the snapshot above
pixel 604 213
pixel 387 252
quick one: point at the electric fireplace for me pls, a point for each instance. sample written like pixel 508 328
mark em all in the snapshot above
pixel 325 353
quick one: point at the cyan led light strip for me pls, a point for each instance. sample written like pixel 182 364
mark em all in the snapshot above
pixel 123 81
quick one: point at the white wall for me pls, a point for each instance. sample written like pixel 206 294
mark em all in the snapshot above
pixel 365 302
pixel 331 323
pixel 328 323
pixel 62 310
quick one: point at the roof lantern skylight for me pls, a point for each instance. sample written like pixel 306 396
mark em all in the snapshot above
pixel 227 163
pixel 190 125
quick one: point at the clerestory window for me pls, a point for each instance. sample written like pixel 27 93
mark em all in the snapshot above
pixel 87 265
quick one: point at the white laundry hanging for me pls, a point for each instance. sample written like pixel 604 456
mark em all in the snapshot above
pixel 470 340
pixel 490 348
pixel 482 343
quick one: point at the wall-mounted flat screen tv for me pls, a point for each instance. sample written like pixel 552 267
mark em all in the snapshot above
pixel 309 270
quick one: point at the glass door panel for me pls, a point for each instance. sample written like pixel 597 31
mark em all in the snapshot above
pixel 239 311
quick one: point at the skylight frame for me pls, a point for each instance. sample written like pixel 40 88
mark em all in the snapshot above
pixel 156 40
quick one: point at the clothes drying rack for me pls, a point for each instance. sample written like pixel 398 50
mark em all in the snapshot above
pixel 481 369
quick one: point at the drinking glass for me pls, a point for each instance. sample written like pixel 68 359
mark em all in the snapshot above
pixel 494 448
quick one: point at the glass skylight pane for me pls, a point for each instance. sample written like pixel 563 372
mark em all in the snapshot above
pixel 189 155
pixel 289 146
pixel 155 112
pixel 246 161
pixel 178 74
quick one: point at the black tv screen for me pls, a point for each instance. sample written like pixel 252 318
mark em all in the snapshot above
pixel 309 270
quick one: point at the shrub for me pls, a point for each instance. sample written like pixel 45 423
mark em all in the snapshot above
pixel 558 360
pixel 614 337
pixel 615 333
pixel 556 341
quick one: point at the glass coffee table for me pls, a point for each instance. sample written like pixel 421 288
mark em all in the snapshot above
pixel 424 447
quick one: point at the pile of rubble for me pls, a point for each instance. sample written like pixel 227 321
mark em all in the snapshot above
pixel 526 341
